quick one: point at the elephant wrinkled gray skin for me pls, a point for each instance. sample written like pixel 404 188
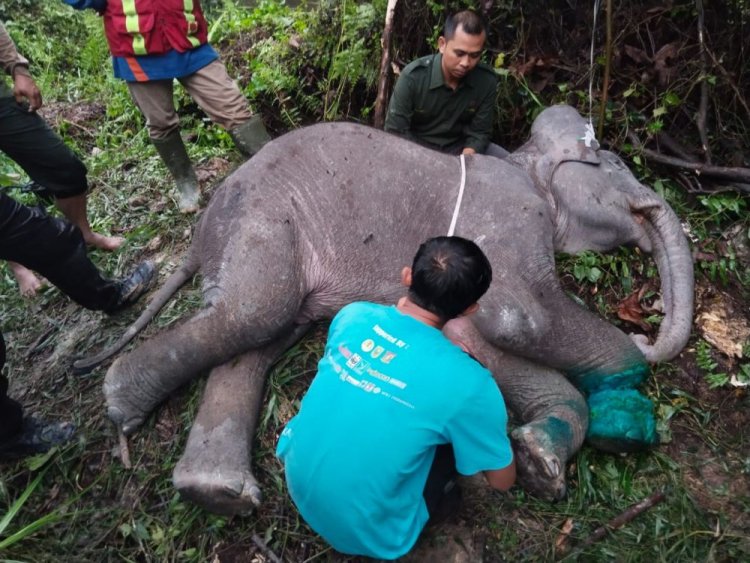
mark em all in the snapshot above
pixel 329 214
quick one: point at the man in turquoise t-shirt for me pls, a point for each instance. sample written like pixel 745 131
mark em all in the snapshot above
pixel 395 410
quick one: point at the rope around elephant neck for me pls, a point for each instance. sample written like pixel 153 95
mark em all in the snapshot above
pixel 454 220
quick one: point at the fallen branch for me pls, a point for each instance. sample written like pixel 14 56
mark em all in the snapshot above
pixel 732 174
pixel 258 541
pixel 693 184
pixel 665 140
pixel 40 341
pixel 385 66
pixel 124 450
pixel 562 541
pixel 623 518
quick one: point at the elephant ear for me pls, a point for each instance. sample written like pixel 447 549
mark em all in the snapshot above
pixel 558 135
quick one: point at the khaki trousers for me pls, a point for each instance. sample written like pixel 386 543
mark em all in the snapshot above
pixel 211 88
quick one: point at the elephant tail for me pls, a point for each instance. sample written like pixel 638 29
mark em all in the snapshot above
pixel 186 271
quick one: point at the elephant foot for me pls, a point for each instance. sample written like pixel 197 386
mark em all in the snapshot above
pixel 219 490
pixel 122 406
pixel 539 470
pixel 127 423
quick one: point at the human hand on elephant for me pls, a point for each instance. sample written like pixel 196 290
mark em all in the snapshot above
pixel 456 330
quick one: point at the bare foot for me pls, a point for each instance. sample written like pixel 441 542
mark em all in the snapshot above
pixel 189 201
pixel 104 242
pixel 28 283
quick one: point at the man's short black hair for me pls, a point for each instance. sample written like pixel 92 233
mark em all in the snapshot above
pixel 470 21
pixel 449 274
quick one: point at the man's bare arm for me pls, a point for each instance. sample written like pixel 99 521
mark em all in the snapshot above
pixel 24 87
pixel 502 479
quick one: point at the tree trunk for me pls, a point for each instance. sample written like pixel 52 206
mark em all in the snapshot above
pixel 381 100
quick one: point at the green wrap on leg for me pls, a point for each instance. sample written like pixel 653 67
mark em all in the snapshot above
pixel 621 418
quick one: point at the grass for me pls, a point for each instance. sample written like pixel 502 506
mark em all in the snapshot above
pixel 80 503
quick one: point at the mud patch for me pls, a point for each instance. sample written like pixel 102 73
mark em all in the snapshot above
pixel 716 479
pixel 710 443
pixel 80 121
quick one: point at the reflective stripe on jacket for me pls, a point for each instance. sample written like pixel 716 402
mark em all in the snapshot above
pixel 152 27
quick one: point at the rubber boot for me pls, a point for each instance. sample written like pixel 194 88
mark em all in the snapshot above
pixel 172 151
pixel 250 136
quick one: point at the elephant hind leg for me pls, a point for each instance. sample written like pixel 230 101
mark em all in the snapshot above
pixel 215 470
pixel 254 293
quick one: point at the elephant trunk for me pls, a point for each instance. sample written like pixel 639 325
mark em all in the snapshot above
pixel 674 261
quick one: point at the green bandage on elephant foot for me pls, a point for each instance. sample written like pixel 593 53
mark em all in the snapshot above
pixel 539 470
pixel 621 420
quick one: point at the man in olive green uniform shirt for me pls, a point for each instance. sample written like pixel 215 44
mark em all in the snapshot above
pixel 446 101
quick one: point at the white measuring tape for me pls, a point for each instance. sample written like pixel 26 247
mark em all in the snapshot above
pixel 589 137
pixel 454 220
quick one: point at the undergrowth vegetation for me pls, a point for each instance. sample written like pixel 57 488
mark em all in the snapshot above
pixel 302 64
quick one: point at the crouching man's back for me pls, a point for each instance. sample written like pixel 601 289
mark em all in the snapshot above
pixel 390 391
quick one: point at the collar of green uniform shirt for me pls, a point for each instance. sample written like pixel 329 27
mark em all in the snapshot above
pixel 436 74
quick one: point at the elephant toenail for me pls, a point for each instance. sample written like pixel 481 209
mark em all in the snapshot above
pixel 131 425
pixel 234 487
pixel 553 466
pixel 255 495
pixel 115 415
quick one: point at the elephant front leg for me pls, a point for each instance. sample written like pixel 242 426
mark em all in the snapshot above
pixel 215 470
pixel 552 413
pixel 554 420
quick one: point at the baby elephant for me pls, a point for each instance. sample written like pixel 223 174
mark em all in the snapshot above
pixel 325 215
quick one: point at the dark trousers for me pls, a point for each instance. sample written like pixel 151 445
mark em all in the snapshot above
pixel 10 411
pixel 56 250
pixel 28 140
pixel 441 484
